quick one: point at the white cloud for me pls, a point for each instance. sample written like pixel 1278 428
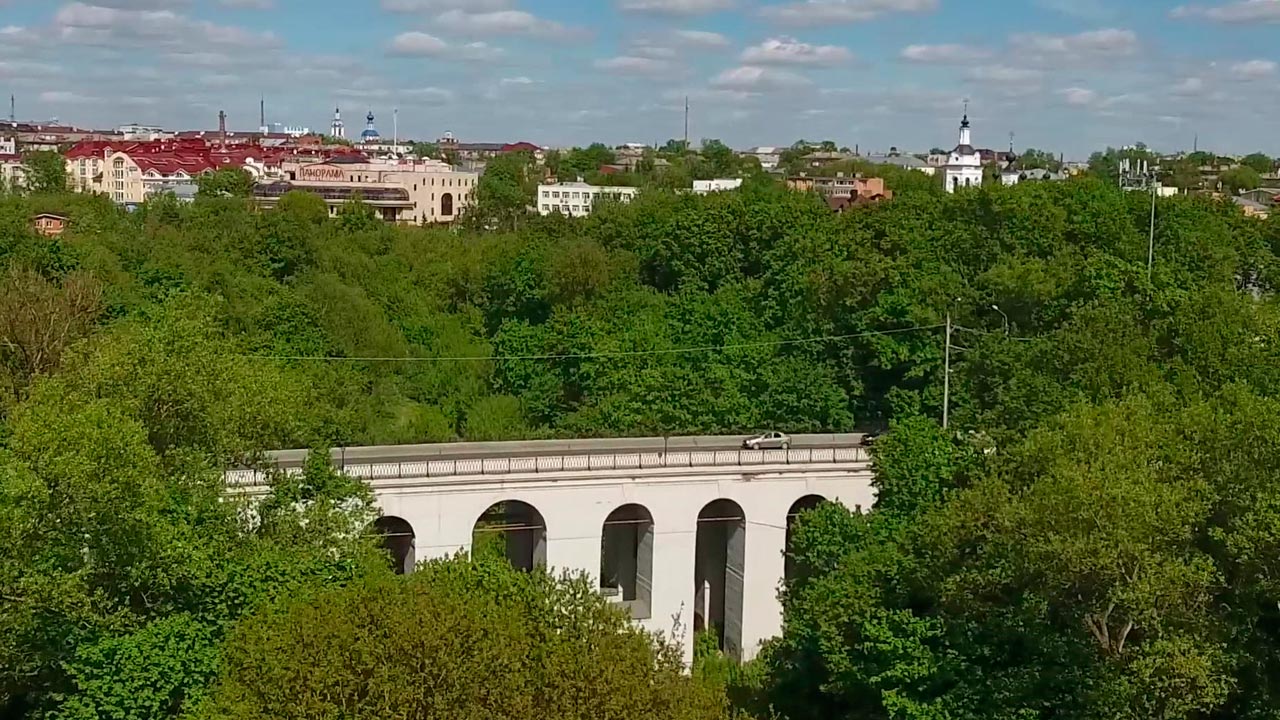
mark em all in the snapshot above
pixel 436 6
pixel 518 80
pixel 653 52
pixel 753 78
pixel 1005 74
pixel 1082 9
pixel 944 54
pixel 79 23
pixel 427 94
pixel 15 69
pixel 789 51
pixel 1107 42
pixel 633 65
pixel 1254 69
pixel 1188 87
pixel 1078 96
pixel 1244 11
pixel 503 22
pixel 675 7
pixel 701 39
pixel 63 97
pixel 420 44
pixel 248 4
pixel 822 12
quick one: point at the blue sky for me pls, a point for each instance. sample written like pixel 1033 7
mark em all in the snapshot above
pixel 1065 75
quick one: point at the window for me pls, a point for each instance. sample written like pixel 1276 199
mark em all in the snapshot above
pixel 446 204
pixel 546 208
pixel 556 195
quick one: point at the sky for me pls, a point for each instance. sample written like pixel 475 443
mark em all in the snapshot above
pixel 1069 76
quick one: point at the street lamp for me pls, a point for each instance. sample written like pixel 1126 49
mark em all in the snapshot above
pixel 1006 318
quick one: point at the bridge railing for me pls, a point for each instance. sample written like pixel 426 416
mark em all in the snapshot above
pixel 576 463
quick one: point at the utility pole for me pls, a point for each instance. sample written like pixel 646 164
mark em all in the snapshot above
pixel 946 379
pixel 686 123
pixel 1151 241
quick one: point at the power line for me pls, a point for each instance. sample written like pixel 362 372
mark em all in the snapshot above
pixel 588 356
pixel 989 332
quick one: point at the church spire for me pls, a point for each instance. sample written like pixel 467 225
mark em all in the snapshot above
pixel 965 138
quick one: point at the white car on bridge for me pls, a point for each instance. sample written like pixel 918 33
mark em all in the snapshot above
pixel 768 441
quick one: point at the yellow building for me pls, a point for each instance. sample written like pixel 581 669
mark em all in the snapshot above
pixel 416 192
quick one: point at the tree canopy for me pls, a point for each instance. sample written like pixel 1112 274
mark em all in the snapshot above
pixel 472 639
pixel 1093 535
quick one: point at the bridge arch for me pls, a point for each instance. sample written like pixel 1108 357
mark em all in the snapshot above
pixel 398 540
pixel 719 570
pixel 798 508
pixel 626 559
pixel 516 530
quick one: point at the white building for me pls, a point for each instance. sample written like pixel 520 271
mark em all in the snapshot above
pixel 769 156
pixel 706 187
pixel 144 133
pixel 576 199
pixel 964 166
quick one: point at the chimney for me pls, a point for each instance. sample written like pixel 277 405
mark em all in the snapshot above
pixel 222 127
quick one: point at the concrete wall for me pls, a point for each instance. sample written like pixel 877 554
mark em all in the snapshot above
pixel 442 512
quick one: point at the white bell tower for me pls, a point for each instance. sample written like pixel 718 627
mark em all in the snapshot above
pixel 964 165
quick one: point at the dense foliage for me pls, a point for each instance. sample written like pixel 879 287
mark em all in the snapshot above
pixel 1094 535
pixel 457 639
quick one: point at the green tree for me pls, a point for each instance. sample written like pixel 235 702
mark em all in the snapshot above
pixel 505 192
pixel 1259 163
pixel 1239 179
pixel 330 654
pixel 425 150
pixel 125 562
pixel 46 171
pixel 722 161
pixel 227 182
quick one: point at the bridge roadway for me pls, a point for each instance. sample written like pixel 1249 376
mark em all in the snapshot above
pixel 535 448
pixel 682 532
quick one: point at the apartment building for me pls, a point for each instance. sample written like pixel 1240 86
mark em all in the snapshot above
pixel 577 199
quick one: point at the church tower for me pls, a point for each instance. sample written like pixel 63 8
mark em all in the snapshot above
pixel 370 133
pixel 337 129
pixel 964 166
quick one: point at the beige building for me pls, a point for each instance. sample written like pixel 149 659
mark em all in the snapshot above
pixel 417 192
pixel 13 173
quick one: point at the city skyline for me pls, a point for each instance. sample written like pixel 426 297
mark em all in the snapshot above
pixel 1066 76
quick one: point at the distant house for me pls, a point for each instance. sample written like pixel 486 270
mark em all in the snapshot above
pixel 906 162
pixel 849 186
pixel 1252 208
pixel 840 204
pixel 48 224
pixel 1263 196
pixel 706 187
pixel 822 157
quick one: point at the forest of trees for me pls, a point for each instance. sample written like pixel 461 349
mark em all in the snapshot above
pixel 1096 535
